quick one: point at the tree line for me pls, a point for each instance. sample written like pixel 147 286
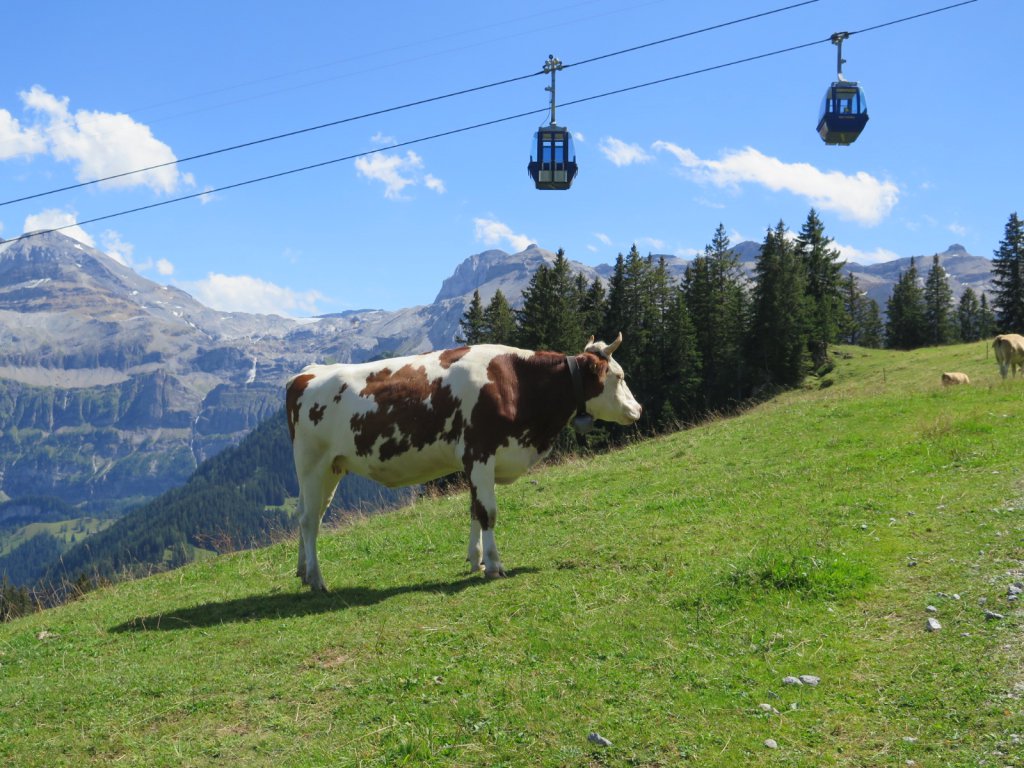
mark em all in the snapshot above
pixel 716 338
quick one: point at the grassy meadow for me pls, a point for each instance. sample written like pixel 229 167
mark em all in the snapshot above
pixel 658 596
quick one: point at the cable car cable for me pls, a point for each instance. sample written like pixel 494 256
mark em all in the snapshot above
pixel 464 129
pixel 376 113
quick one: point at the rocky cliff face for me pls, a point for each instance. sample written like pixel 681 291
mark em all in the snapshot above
pixel 113 388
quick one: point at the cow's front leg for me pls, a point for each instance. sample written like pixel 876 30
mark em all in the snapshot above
pixel 484 511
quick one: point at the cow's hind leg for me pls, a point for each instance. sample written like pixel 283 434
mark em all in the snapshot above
pixel 484 510
pixel 315 494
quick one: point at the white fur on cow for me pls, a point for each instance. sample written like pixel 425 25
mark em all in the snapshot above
pixel 1009 349
pixel 490 411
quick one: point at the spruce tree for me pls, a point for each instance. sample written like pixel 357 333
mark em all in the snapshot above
pixel 550 316
pixel 594 308
pixel 716 301
pixel 499 320
pixel 472 325
pixel 906 327
pixel 968 314
pixel 1008 278
pixel 938 306
pixel 988 319
pixel 778 339
pixel 823 272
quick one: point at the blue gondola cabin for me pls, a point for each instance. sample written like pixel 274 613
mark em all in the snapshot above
pixel 844 113
pixel 553 159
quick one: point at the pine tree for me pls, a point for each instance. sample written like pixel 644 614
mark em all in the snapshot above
pixel 906 327
pixel 716 301
pixel 861 321
pixel 938 306
pixel 1008 278
pixel 499 321
pixel 472 325
pixel 822 268
pixel 778 339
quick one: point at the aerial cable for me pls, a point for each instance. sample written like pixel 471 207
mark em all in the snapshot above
pixel 376 113
pixel 464 129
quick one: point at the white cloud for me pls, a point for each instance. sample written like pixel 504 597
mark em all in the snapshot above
pixel 54 218
pixel 242 293
pixel 207 196
pixel 103 144
pixel 603 238
pixel 957 229
pixel 592 248
pixel 380 138
pixel 578 137
pixel 492 232
pixel 397 172
pixel 16 141
pixel 434 183
pixel 856 256
pixel 120 251
pixel 621 153
pixel 653 242
pixel 860 197
pixel 164 267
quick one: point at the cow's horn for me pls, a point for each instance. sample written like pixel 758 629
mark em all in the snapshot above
pixel 610 350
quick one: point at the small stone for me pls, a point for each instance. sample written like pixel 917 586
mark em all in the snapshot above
pixel 790 680
pixel 956 596
pixel 596 738
pixel 768 708
pixel 792 707
pixel 932 609
pixel 863 526
pixel 911 563
pixel 46 635
pixel 1013 589
pixel 771 743
pixel 982 600
pixel 933 625
pixel 810 679
pixel 993 616
pixel 910 739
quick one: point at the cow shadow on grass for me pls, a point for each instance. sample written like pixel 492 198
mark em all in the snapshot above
pixel 288 605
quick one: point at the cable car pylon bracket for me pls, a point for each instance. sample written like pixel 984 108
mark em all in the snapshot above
pixel 553 158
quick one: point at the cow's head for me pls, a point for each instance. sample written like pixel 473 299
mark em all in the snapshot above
pixel 614 402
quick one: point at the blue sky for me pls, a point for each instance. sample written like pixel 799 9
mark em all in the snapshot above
pixel 88 90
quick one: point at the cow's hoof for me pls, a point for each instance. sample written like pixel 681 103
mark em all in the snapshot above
pixel 499 573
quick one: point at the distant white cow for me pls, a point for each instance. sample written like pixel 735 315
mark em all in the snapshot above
pixel 489 410
pixel 953 378
pixel 1009 349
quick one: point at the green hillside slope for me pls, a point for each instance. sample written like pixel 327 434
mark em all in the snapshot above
pixel 658 596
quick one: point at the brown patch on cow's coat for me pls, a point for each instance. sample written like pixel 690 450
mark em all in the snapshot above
pixel 295 390
pixel 316 413
pixel 449 357
pixel 341 391
pixel 528 399
pixel 411 412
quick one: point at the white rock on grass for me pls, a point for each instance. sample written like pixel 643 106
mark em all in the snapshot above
pixel 768 708
pixel 932 625
pixel 810 679
pixel 596 738
pixel 771 743
pixel 790 680
pixel 993 616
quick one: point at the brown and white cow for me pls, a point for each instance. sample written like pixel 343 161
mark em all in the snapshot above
pixel 488 410
pixel 1009 349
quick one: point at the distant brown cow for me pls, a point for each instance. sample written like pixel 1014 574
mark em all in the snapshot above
pixel 954 377
pixel 1009 349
